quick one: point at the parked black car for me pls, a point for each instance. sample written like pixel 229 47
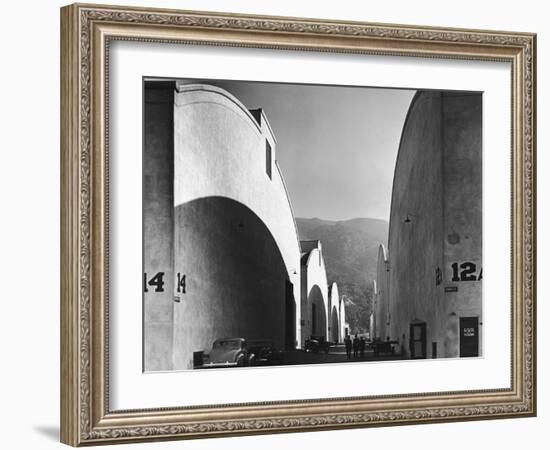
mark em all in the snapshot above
pixel 265 352
pixel 316 344
pixel 228 352
pixel 379 346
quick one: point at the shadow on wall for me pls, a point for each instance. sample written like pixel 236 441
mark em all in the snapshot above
pixel 334 325
pixel 237 284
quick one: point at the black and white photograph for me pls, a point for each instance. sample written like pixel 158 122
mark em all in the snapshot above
pixel 275 224
pixel 290 224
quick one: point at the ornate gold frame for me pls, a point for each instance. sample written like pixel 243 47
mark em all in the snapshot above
pixel 86 31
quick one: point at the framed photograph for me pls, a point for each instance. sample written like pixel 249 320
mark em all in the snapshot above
pixel 275 224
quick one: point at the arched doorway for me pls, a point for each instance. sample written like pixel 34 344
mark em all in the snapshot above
pixel 237 284
pixel 334 325
pixel 317 313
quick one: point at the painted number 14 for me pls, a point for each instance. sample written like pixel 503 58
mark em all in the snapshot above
pixel 158 282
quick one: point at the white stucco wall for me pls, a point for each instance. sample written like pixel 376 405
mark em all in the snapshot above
pixel 334 308
pixel 343 324
pixel 382 296
pixel 158 226
pixel 436 221
pixel 314 276
pixel 230 150
pixel 222 186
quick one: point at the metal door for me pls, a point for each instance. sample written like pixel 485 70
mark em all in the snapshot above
pixel 469 336
pixel 418 340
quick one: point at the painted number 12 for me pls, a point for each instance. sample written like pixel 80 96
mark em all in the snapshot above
pixel 468 272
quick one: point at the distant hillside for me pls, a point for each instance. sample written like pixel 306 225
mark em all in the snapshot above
pixel 350 249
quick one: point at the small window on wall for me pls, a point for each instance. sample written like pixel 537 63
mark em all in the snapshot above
pixel 268 158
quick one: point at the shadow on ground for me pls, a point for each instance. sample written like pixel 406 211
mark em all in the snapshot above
pixel 51 432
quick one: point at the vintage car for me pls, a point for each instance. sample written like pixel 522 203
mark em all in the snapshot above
pixel 265 352
pixel 228 352
pixel 316 344
pixel 380 347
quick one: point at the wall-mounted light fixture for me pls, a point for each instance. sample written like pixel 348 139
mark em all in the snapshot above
pixel 408 218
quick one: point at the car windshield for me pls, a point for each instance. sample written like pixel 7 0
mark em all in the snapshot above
pixel 227 344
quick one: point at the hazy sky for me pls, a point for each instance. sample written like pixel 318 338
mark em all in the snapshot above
pixel 336 146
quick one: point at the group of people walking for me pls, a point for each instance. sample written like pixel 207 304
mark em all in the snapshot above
pixel 358 345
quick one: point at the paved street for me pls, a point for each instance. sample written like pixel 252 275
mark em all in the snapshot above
pixel 336 354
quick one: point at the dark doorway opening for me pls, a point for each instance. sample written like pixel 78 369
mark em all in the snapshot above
pixel 313 318
pixel 469 336
pixel 334 325
pixel 418 340
pixel 290 317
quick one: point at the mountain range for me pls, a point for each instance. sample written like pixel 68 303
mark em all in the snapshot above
pixel 350 250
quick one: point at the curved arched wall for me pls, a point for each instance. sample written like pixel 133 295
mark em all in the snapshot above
pixel 335 331
pixel 317 313
pixel 237 282
pixel 220 150
pixel 343 324
pixel 381 316
pixel 315 319
pixel 436 221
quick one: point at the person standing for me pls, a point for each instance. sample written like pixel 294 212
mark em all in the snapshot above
pixel 347 342
pixel 355 346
